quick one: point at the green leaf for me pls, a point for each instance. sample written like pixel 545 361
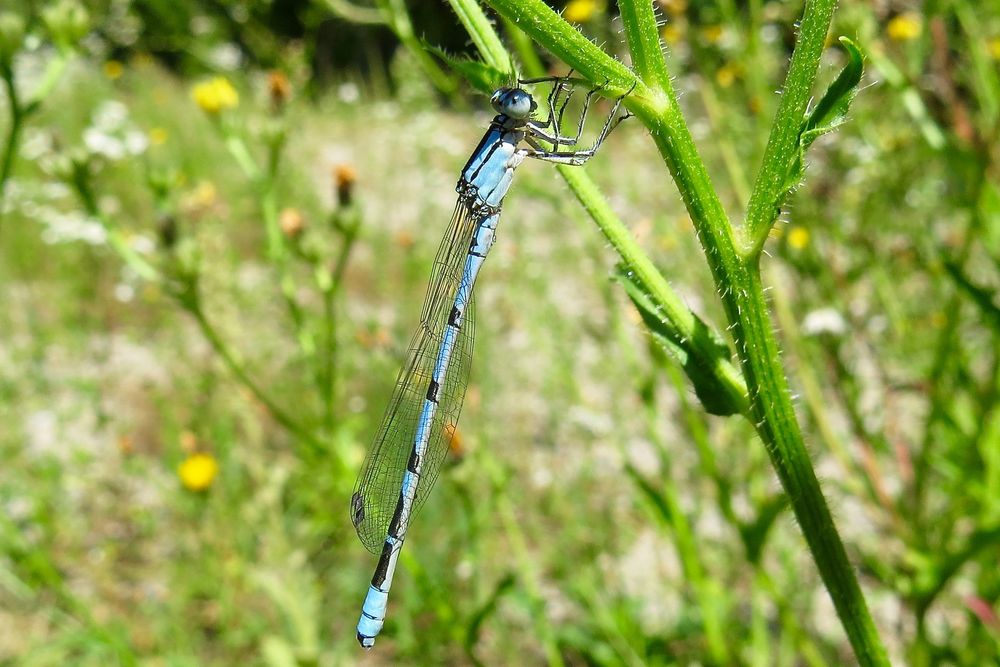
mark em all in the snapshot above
pixel 707 387
pixel 653 496
pixel 755 534
pixel 829 113
pixel 481 76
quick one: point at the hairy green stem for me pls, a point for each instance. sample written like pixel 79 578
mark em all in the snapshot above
pixel 646 273
pixel 733 263
pixel 769 187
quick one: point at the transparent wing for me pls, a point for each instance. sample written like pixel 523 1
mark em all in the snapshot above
pixel 377 489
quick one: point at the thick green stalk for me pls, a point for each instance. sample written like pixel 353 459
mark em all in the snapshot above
pixel 736 272
pixel 738 281
pixel 563 40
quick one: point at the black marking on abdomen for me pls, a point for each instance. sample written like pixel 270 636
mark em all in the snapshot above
pixel 414 462
pixel 432 391
pixel 453 317
pixel 383 566
pixel 397 517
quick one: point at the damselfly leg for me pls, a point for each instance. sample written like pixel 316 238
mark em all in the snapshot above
pixel 539 152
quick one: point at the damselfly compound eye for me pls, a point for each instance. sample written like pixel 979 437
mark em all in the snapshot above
pixel 513 102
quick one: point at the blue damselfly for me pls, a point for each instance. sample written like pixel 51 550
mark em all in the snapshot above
pixel 411 443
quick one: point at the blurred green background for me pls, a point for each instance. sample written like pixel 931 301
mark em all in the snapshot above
pixel 215 231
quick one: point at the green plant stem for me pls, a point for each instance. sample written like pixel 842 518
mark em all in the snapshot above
pixel 116 239
pixel 192 303
pixel 644 44
pixel 20 111
pixel 330 284
pixel 483 36
pixel 277 250
pixel 769 187
pixel 738 280
pixel 673 309
pixel 531 64
pixel 355 13
pixel 397 17
pixel 17 115
pixel 547 28
pixel 736 272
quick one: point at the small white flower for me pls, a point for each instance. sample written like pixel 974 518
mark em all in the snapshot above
pixel 348 92
pixel 143 245
pixel 136 142
pixel 124 292
pixel 101 143
pixel 824 321
pixel 69 227
pixel 226 57
pixel 110 116
pixel 36 144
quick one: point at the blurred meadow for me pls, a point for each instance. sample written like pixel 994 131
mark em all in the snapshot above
pixel 217 220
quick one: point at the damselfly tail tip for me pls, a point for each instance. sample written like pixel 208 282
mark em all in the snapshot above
pixel 366 642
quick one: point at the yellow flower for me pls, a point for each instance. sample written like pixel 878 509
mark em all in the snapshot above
pixel 726 75
pixel 674 7
pixel 580 11
pixel 993 46
pixel 671 33
pixel 712 33
pixel 904 27
pixel 215 95
pixel 198 471
pixel 158 136
pixel 798 237
pixel 113 69
pixel 204 194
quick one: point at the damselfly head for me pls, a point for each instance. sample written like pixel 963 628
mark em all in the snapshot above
pixel 513 103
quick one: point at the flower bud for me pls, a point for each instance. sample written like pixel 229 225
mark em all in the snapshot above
pixel 292 223
pixel 278 89
pixel 67 22
pixel 167 231
pixel 344 178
